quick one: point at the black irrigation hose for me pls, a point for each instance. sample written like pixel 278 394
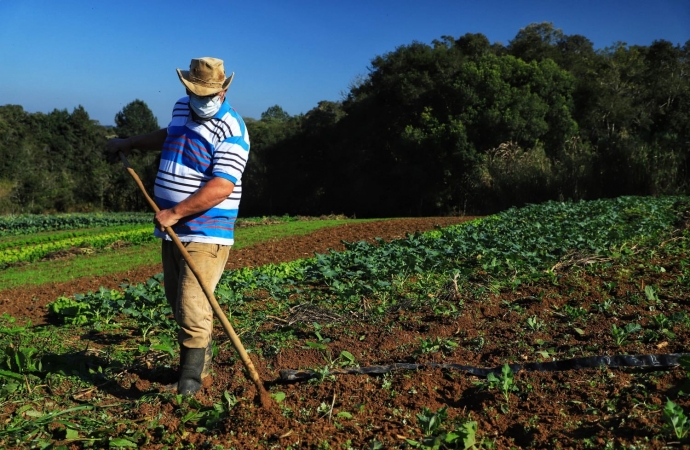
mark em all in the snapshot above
pixel 658 362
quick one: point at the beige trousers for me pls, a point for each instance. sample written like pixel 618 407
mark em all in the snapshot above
pixel 190 306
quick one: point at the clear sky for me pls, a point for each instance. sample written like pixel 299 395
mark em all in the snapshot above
pixel 293 53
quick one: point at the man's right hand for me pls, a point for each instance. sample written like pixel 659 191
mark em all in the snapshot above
pixel 115 146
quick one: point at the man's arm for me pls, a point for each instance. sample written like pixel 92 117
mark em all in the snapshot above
pixel 150 141
pixel 209 195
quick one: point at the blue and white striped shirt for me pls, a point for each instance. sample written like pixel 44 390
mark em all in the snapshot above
pixel 194 153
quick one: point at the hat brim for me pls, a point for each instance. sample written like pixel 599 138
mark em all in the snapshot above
pixel 202 90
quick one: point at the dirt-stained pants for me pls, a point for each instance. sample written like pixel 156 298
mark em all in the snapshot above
pixel 190 306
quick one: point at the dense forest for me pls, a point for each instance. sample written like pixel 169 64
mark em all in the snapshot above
pixel 457 126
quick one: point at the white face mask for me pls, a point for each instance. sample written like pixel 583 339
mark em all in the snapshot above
pixel 205 107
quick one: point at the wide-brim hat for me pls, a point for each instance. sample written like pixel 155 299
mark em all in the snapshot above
pixel 206 76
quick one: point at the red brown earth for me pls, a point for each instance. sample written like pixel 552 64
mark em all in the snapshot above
pixel 592 408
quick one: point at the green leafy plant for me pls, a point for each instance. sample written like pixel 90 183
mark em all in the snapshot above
pixel 621 334
pixel 205 417
pixel 534 324
pixel 505 382
pixel 651 294
pixel 435 435
pixel 437 344
pixel 676 419
pixel 574 313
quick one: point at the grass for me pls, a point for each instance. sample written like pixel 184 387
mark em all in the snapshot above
pixel 129 258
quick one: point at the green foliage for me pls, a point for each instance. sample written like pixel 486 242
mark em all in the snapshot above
pixel 621 334
pixel 677 420
pixel 479 127
pixel 72 311
pixel 523 242
pixel 534 324
pixel 134 119
pixel 505 382
pixel 37 247
pixel 51 162
pixel 462 436
pixel 36 223
pixel 275 113
pixel 483 127
pixel 438 344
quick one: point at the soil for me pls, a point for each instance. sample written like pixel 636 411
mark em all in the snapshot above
pixel 589 408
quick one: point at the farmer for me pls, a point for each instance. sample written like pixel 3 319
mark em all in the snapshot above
pixel 198 187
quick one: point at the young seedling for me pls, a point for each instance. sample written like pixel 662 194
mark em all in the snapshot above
pixel 534 324
pixel 435 437
pixel 620 334
pixel 661 322
pixel 433 345
pixel 573 313
pixel 651 294
pixel 676 418
pixel 504 382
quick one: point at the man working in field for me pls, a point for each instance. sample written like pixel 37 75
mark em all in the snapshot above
pixel 198 187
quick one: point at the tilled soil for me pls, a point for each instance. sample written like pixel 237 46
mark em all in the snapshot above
pixel 590 408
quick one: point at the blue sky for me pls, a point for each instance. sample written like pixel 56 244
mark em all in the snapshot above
pixel 104 54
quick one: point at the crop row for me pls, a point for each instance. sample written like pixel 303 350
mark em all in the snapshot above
pixel 13 225
pixel 524 242
pixel 35 223
pixel 29 252
pixel 19 241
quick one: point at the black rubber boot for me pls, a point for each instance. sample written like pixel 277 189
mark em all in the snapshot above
pixel 191 366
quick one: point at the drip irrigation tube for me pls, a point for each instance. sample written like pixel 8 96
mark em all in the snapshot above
pixel 658 362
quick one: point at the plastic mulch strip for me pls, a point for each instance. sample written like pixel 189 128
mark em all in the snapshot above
pixel 655 362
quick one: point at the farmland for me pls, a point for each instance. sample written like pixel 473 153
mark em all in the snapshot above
pixel 543 283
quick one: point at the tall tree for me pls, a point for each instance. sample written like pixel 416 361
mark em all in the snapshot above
pixel 275 113
pixel 536 41
pixel 135 118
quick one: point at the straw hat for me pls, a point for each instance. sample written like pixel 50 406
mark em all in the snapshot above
pixel 206 76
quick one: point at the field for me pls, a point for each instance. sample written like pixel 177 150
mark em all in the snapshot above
pixel 541 284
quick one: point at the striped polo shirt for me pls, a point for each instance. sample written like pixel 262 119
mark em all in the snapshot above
pixel 194 153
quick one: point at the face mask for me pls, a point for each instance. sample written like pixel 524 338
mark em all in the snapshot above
pixel 205 107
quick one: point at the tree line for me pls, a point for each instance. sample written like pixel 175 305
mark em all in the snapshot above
pixel 458 126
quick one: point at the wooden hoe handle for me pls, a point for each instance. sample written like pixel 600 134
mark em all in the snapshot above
pixel 264 397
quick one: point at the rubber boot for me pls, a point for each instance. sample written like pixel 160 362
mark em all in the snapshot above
pixel 191 366
pixel 208 359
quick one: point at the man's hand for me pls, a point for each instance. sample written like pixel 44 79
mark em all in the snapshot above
pixel 209 195
pixel 115 146
pixel 166 218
